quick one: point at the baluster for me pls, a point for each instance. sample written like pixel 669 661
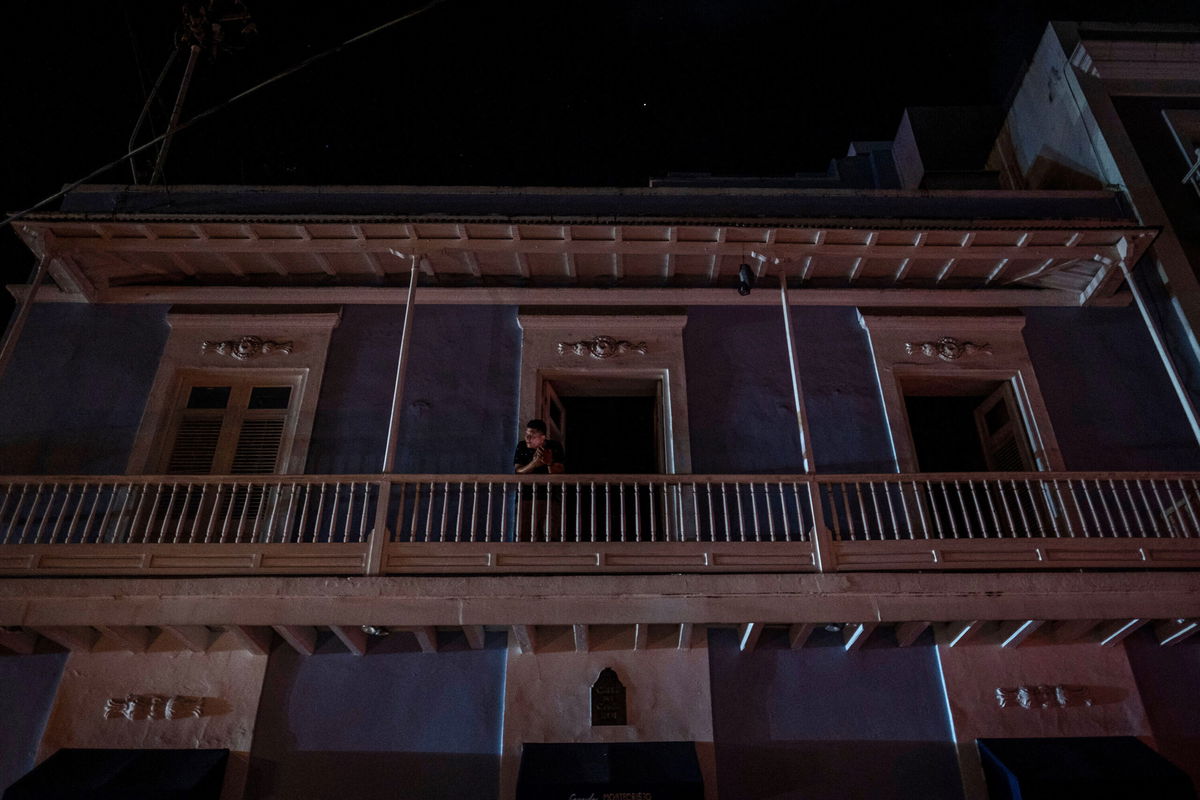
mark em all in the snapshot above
pixel 937 519
pixel 650 502
pixel 132 534
pixel 607 512
pixel 783 514
pixel 919 501
pixel 1033 502
pixel 1012 528
pixel 302 523
pixel 973 490
pixel 862 508
pixel 546 512
pixel 74 524
pixel 1187 501
pixel 593 510
pixel 474 509
pixel 1092 507
pixel 802 527
pixel 1146 505
pixel 289 510
pixel 754 512
pixel 637 512
pixel 1053 510
pixel 62 513
pixel 429 512
pixel 844 491
pixel 966 517
pixel 908 523
pixel 8 493
pixel 827 499
pixel 458 514
pixel 16 513
pixel 621 491
pixel 1066 513
pixel 725 514
pixel 245 504
pixel 503 508
pixel 363 531
pixel 1133 507
pixel 29 517
pixel 187 496
pixel 1026 528
pixel 1112 524
pixel 737 495
pixel 1120 508
pixel 562 510
pixel 712 518
pixel 487 518
pixel 949 510
pixel 770 516
pixel 887 498
pixel 230 501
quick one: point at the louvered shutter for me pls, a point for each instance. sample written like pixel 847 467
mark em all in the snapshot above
pixel 998 419
pixel 195 445
pixel 258 446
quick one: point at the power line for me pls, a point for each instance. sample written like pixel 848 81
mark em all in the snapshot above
pixel 214 109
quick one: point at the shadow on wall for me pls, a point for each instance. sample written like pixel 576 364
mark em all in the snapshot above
pixel 326 775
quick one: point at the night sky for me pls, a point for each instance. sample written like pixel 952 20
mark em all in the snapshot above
pixel 528 92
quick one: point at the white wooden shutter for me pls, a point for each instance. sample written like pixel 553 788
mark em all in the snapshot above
pixel 1005 444
pixel 195 445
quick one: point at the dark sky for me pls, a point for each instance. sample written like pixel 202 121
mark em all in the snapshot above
pixel 527 92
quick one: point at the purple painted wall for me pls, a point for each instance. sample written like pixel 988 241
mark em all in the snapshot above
pixel 460 403
pixel 74 392
pixel 1168 680
pixel 1109 398
pixel 819 723
pixel 393 723
pixel 27 688
pixel 740 392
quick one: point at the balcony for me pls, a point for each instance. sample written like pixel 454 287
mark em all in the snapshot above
pixel 499 524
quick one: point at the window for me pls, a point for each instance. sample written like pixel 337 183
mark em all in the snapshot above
pixel 235 394
pixel 960 394
pixel 239 424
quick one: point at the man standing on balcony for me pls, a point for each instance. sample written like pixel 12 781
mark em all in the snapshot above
pixel 538 455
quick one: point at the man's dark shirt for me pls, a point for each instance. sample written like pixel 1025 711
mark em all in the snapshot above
pixel 524 454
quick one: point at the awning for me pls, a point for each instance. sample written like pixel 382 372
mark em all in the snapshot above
pixel 86 774
pixel 617 771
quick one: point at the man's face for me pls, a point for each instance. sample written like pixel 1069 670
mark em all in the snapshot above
pixel 533 438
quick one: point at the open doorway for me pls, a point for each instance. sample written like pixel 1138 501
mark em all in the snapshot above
pixel 608 425
pixel 966 425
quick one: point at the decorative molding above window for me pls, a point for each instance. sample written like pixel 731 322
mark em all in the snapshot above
pixel 245 347
pixel 602 347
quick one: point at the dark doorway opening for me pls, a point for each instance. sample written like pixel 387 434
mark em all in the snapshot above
pixel 944 433
pixel 612 435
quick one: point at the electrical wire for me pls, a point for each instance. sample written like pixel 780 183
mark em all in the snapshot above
pixel 214 109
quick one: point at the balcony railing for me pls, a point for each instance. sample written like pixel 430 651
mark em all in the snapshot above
pixel 370 524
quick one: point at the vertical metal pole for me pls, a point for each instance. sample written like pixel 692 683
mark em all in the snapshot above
pixel 1189 409
pixel 161 161
pixel 15 326
pixel 797 393
pixel 389 451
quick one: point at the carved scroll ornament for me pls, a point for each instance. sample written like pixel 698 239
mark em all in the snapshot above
pixel 153 706
pixel 1042 696
pixel 602 347
pixel 947 349
pixel 246 347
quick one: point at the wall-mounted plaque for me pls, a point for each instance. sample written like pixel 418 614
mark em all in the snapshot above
pixel 608 699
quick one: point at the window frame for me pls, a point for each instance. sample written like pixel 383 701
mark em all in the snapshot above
pixel 185 357
pixel 1002 358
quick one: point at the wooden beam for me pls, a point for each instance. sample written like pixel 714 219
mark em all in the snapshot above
pixel 1072 630
pixel 426 636
pixel 1174 631
pixel 686 633
pixel 353 637
pixel 1114 632
pixel 196 638
pixel 76 638
pixel 907 633
pixel 526 636
pixel 475 636
pixel 855 634
pixel 581 637
pixel 748 634
pixel 957 633
pixel 1014 632
pixel 641 636
pixel 18 641
pixel 254 638
pixel 302 638
pixel 799 632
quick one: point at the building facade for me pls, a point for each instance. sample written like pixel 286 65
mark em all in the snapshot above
pixel 860 471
